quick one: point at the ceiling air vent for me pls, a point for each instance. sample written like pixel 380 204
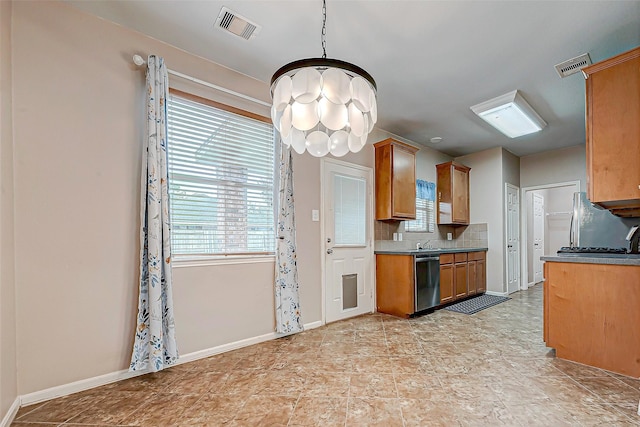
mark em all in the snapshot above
pixel 236 24
pixel 573 65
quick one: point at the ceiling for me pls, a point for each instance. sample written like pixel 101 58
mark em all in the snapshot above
pixel 431 60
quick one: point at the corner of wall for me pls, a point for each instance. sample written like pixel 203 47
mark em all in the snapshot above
pixel 9 401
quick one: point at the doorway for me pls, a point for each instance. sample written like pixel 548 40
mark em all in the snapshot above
pixel 556 223
pixel 512 237
pixel 347 236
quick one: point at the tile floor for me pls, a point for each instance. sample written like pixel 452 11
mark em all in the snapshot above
pixel 442 369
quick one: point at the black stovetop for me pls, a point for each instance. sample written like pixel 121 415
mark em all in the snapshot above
pixel 591 250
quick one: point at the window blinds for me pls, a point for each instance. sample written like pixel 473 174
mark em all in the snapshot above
pixel 221 180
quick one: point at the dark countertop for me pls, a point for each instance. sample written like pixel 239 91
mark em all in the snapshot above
pixel 429 251
pixel 610 259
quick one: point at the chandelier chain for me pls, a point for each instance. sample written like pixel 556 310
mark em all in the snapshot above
pixel 324 28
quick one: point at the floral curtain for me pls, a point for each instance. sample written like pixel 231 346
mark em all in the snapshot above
pixel 288 320
pixel 155 344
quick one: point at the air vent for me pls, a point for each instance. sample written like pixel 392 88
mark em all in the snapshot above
pixel 573 65
pixel 236 24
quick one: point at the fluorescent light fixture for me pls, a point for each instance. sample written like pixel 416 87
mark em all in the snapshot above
pixel 510 114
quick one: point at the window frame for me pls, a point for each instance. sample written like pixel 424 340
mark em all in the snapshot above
pixel 200 259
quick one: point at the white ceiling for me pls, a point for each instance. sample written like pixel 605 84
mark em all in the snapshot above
pixel 431 60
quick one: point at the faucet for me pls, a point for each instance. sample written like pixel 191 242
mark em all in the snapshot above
pixel 418 246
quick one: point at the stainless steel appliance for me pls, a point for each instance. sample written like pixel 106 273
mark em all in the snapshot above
pixel 427 286
pixel 594 227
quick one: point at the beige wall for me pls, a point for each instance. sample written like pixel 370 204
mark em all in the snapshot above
pixel 8 372
pixel 486 206
pixel 550 167
pixel 77 138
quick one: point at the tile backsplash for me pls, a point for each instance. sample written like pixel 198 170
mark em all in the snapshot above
pixel 470 236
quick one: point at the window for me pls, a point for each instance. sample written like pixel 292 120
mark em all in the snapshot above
pixel 221 178
pixel 425 208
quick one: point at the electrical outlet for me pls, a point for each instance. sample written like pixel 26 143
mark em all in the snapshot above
pixel 315 215
pixel 395 237
pixel 449 236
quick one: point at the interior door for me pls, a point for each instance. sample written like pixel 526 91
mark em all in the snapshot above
pixel 538 236
pixel 348 230
pixel 513 238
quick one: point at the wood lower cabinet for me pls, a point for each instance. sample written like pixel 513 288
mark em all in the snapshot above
pixel 477 274
pixel 395 284
pixel 591 314
pixel 461 274
pixel 446 278
pixel 453 194
pixel 395 180
pixel 613 133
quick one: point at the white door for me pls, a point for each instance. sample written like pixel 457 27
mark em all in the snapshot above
pixel 538 236
pixel 348 235
pixel 513 238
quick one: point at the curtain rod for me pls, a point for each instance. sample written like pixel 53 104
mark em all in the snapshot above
pixel 139 60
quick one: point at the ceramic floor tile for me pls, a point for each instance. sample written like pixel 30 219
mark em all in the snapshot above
pixel 319 411
pixel 265 411
pixel 327 384
pixel 427 413
pixel 373 385
pixel 60 410
pixel 374 412
pixel 215 409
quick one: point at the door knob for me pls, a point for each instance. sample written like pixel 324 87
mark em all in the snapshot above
pixel 329 251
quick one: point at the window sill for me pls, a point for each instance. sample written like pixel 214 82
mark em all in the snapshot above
pixel 209 260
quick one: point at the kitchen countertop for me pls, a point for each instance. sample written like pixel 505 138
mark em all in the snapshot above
pixel 429 251
pixel 610 259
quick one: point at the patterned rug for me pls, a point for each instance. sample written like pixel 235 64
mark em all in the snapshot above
pixel 476 304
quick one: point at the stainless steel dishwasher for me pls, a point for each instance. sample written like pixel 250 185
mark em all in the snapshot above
pixel 427 286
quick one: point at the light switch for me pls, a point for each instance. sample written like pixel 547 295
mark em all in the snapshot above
pixel 315 215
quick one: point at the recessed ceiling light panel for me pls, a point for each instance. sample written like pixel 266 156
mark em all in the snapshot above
pixel 510 114
pixel 238 25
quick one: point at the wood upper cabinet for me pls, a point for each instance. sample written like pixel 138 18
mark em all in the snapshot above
pixel 613 133
pixel 453 194
pixel 446 278
pixel 395 284
pixel 395 180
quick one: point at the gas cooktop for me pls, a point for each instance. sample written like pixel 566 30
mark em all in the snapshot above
pixel 591 250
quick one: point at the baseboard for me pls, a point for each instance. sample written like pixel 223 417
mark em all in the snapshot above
pixel 77 386
pixel 86 384
pixel 11 413
pixel 497 294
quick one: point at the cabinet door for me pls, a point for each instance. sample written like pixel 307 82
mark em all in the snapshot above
pixel 404 183
pixel 446 283
pixel 481 276
pixel 460 187
pixel 613 131
pixel 473 277
pixel 395 284
pixel 460 273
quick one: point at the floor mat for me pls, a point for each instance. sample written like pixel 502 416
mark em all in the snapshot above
pixel 476 304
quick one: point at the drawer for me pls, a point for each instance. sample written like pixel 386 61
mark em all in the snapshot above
pixel 474 256
pixel 460 257
pixel 446 259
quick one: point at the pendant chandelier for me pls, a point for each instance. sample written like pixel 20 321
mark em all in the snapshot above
pixel 323 105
